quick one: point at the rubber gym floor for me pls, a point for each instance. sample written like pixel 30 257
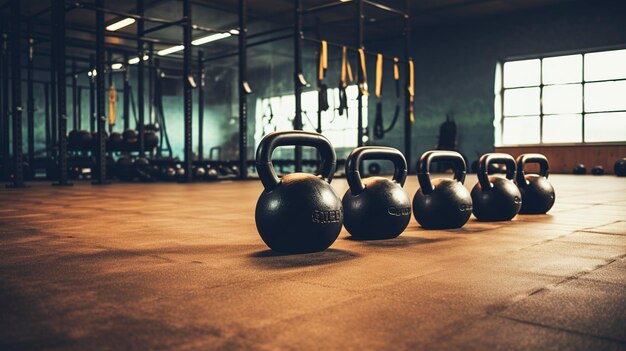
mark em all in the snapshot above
pixel 173 266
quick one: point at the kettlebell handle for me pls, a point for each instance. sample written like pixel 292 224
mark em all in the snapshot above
pixel 523 159
pixel 353 176
pixel 270 142
pixel 487 159
pixel 423 167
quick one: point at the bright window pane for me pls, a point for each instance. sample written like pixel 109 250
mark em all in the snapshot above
pixel 277 113
pixel 521 73
pixel 518 102
pixel 521 130
pixel 562 69
pixel 605 65
pixel 605 127
pixel 562 129
pixel 605 96
pixel 562 99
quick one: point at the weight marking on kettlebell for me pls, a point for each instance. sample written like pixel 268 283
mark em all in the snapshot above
pixel 318 216
pixel 517 200
pixel 403 211
pixel 465 207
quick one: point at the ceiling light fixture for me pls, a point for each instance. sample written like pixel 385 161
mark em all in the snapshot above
pixel 135 60
pixel 120 24
pixel 210 38
pixel 171 50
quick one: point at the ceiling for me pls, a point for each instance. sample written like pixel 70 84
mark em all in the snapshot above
pixel 336 24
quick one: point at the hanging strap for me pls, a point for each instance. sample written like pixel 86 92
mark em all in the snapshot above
pixel 112 102
pixel 379 75
pixel 346 70
pixel 363 76
pixel 411 88
pixel 323 60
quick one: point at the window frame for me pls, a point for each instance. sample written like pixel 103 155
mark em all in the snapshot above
pixel 541 86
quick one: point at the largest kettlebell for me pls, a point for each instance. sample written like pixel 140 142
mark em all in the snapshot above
pixel 299 212
pixel 376 207
pixel 496 198
pixel 442 203
pixel 537 192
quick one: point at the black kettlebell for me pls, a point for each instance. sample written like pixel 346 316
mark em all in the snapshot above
pixel 376 207
pixel 442 203
pixel 597 170
pixel 620 168
pixel 579 169
pixel 496 198
pixel 537 192
pixel 299 212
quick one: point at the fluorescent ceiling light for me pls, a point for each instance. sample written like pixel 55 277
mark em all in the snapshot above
pixel 234 31
pixel 171 50
pixel 210 38
pixel 120 24
pixel 117 66
pixel 135 60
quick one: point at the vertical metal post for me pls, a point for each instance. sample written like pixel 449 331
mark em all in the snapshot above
pixel 360 75
pixel 4 85
pixel 46 93
pixel 140 76
pixel 16 96
pixel 298 77
pixel 151 76
pixel 126 93
pixel 187 87
pixel 243 98
pixel 75 102
pixel 100 176
pixel 200 105
pixel 53 74
pixel 79 107
pixel 319 69
pixel 93 116
pixel 407 97
pixel 61 112
pixel 30 98
pixel 541 86
pixel 107 67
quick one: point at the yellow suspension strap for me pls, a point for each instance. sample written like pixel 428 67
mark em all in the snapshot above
pixel 346 76
pixel 112 102
pixel 323 61
pixel 411 89
pixel 322 101
pixel 379 75
pixel 363 76
pixel 379 131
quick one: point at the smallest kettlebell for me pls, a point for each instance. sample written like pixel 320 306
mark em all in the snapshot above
pixel 376 207
pixel 442 203
pixel 496 198
pixel 537 192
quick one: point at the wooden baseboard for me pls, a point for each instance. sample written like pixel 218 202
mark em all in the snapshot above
pixel 564 158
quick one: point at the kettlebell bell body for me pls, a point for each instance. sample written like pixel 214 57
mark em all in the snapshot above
pixel 537 192
pixel 376 207
pixel 442 203
pixel 299 212
pixel 496 198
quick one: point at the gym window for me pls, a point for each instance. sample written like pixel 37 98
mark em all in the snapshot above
pixel 571 99
pixel 277 113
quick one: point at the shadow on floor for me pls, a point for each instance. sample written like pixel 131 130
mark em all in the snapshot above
pixel 401 241
pixel 275 260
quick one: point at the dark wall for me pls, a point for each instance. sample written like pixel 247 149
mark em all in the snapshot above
pixel 455 65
